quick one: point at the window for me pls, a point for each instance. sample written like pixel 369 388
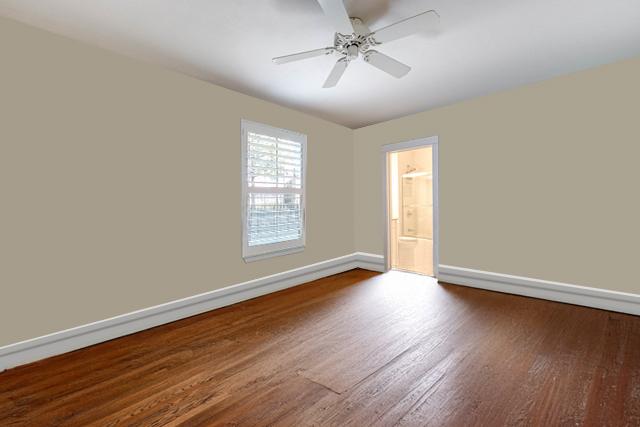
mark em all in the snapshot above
pixel 273 197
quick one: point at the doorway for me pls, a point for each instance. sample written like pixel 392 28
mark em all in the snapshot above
pixel 411 206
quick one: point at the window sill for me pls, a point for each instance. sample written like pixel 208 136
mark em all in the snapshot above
pixel 258 257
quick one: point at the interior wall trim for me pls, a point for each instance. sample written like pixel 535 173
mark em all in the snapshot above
pixel 543 289
pixel 61 342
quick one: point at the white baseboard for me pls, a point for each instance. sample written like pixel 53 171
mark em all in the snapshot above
pixel 82 336
pixel 368 261
pixel 555 291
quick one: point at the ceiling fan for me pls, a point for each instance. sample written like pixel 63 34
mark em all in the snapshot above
pixel 353 38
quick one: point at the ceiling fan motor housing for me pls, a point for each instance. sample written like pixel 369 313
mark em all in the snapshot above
pixel 351 45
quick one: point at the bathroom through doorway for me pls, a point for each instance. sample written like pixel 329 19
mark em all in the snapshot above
pixel 411 206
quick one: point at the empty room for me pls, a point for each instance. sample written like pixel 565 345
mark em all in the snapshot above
pixel 319 213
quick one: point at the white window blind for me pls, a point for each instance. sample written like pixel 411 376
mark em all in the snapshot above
pixel 273 190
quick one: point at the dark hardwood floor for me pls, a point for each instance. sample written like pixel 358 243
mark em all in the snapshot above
pixel 358 348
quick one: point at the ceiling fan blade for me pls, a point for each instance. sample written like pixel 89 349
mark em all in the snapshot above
pixel 337 14
pixel 386 63
pixel 303 55
pixel 336 73
pixel 421 22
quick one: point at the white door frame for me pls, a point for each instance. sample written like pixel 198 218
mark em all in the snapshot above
pixel 432 142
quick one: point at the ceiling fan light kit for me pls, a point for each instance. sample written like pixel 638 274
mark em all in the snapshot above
pixel 353 39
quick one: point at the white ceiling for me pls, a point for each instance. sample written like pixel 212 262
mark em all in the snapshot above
pixel 482 46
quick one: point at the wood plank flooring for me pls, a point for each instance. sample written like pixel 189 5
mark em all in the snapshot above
pixel 358 348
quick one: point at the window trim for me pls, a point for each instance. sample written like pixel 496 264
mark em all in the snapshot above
pixel 255 253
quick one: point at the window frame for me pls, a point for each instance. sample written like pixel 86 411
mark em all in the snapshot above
pixel 255 253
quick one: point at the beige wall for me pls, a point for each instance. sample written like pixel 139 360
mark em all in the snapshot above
pixel 541 181
pixel 120 185
pixel 120 182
